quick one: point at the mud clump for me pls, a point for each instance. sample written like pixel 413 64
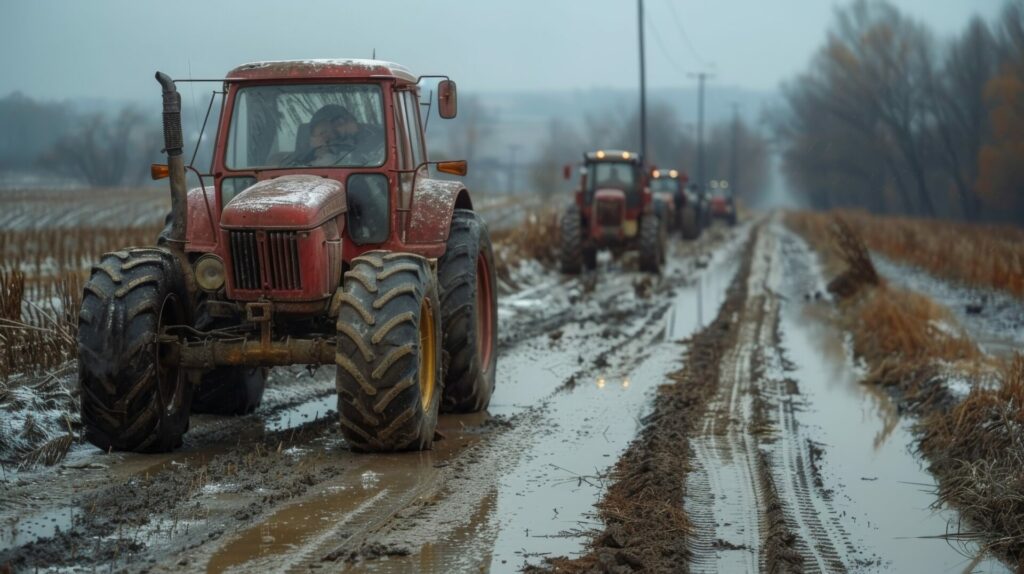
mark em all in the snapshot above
pixel 646 527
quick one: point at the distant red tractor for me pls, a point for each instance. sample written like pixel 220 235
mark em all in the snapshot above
pixel 318 238
pixel 722 205
pixel 612 209
pixel 670 186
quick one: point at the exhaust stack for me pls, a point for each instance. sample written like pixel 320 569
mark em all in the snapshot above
pixel 173 144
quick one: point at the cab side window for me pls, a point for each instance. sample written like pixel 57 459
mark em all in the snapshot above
pixel 412 114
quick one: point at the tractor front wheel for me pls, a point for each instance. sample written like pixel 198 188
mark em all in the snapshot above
pixel 133 396
pixel 652 244
pixel 469 314
pixel 691 224
pixel 571 256
pixel 388 356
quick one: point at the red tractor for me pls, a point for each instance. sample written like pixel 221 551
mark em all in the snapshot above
pixel 613 209
pixel 319 237
pixel 669 185
pixel 722 205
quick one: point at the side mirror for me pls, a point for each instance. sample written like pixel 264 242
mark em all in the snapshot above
pixel 567 171
pixel 447 99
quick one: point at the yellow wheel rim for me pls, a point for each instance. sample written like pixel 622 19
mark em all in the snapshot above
pixel 428 354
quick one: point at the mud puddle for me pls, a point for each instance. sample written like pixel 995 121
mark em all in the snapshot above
pixel 880 491
pixel 352 505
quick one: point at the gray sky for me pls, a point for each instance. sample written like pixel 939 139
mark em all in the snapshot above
pixel 56 49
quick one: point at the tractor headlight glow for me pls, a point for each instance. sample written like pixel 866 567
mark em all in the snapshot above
pixel 209 270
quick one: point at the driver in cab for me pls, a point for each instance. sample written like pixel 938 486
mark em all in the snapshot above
pixel 337 138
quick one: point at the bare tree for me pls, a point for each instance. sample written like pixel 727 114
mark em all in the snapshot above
pixel 105 151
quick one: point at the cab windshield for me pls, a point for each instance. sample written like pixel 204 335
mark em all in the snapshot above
pixel 664 184
pixel 613 175
pixel 307 125
pixel 617 175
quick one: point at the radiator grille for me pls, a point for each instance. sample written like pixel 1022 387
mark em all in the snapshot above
pixel 245 260
pixel 272 261
pixel 284 260
pixel 609 213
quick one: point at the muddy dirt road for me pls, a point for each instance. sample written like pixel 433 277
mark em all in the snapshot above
pixel 790 464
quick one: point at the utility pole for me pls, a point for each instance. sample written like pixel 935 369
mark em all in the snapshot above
pixel 734 163
pixel 643 83
pixel 513 149
pixel 701 175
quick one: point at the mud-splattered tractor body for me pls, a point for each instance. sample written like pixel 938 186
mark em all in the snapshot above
pixel 669 187
pixel 613 209
pixel 319 237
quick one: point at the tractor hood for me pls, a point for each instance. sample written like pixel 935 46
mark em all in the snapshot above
pixel 606 194
pixel 288 202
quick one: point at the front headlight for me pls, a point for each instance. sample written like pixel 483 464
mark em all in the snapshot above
pixel 209 270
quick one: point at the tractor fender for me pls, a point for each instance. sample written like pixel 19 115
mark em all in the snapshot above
pixel 202 215
pixel 433 203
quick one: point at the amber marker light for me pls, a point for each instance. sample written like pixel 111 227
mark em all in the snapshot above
pixel 159 170
pixel 453 167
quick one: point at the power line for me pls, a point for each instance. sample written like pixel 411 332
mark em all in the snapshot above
pixel 664 49
pixel 686 37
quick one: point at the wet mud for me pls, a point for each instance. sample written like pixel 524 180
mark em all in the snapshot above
pixel 279 490
pixel 709 419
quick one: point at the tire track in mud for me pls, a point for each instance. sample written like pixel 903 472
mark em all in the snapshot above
pixel 645 523
pixel 751 450
pixel 721 478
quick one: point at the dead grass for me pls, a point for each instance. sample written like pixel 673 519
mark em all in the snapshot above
pixel 536 238
pixel 977 451
pixel 981 255
pixel 912 345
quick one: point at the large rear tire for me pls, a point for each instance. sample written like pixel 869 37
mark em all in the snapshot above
pixel 652 244
pixel 469 314
pixel 571 236
pixel 691 224
pixel 230 391
pixel 132 398
pixel 388 357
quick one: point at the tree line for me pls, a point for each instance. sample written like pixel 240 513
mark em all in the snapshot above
pixel 98 148
pixel 891 118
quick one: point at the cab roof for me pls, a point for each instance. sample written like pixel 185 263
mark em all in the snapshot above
pixel 325 68
pixel 616 155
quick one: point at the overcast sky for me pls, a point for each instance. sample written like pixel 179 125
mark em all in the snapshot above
pixel 56 49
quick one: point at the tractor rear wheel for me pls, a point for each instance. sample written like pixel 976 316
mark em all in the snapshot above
pixel 691 225
pixel 652 244
pixel 230 391
pixel 469 314
pixel 571 237
pixel 389 376
pixel 132 395
pixel 226 390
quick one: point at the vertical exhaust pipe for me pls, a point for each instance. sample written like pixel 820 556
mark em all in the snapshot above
pixel 173 144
